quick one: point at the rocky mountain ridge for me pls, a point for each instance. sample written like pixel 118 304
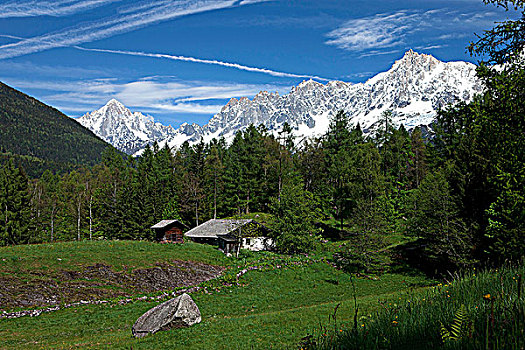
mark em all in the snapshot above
pixel 414 88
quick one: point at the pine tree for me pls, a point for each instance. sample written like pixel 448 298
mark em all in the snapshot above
pixel 338 151
pixel 435 217
pixel 15 201
pixel 213 175
pixel 484 140
pixel 418 159
pixel 295 214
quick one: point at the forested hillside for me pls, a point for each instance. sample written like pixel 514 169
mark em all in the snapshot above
pixel 40 137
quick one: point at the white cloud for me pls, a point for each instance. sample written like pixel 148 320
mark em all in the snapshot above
pixel 430 47
pixel 379 31
pixel 11 68
pixel 156 95
pixel 248 2
pixel 207 61
pixel 156 11
pixel 377 53
pixel 379 34
pixel 57 8
pixel 190 108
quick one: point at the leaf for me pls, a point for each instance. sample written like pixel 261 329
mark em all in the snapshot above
pixel 445 334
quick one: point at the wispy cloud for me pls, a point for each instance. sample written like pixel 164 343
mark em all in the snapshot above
pixel 376 32
pixel 381 33
pixel 207 61
pixel 429 47
pixel 377 53
pixel 156 95
pixel 55 71
pixel 141 16
pixel 57 8
pixel 11 37
pixel 248 2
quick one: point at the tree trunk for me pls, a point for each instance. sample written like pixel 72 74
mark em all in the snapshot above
pixel 53 222
pixel 79 204
pixel 248 203
pixel 90 217
pixel 215 197
pixel 197 212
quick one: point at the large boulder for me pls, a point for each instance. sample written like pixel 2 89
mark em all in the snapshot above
pixel 175 313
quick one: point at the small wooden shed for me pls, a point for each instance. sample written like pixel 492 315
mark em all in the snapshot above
pixel 169 231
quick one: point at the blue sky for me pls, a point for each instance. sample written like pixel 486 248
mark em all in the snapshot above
pixel 181 61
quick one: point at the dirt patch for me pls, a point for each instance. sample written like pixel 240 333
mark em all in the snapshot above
pixel 99 281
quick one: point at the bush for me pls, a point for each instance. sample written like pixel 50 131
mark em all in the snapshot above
pixel 363 254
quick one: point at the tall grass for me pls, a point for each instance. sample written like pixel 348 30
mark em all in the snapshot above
pixel 494 302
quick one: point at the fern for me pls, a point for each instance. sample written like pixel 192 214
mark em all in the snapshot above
pixel 458 328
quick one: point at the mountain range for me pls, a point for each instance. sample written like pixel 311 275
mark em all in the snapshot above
pixel 413 89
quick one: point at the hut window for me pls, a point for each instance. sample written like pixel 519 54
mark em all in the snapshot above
pixel 248 241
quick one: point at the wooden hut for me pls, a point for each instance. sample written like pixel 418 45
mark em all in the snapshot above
pixel 231 235
pixel 169 231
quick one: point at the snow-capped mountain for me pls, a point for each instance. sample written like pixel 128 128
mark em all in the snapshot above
pixel 127 131
pixel 414 88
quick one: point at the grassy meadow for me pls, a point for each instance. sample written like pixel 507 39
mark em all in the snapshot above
pixel 279 301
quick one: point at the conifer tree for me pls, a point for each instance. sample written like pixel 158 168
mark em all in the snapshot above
pixel 15 210
pixel 213 174
pixel 295 215
pixel 338 151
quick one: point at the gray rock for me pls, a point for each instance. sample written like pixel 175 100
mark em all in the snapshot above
pixel 175 313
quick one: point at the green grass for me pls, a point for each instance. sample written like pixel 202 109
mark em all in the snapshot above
pixel 269 309
pixel 494 304
pixel 120 255
pixel 73 271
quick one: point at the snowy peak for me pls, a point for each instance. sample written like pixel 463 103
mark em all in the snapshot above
pixel 127 131
pixel 414 88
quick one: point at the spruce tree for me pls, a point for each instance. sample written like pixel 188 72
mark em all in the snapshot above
pixel 15 201
pixel 295 215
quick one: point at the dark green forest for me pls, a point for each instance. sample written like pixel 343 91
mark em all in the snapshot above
pixel 41 138
pixel 460 192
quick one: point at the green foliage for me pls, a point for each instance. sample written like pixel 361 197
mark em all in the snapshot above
pixel 484 142
pixel 435 218
pixel 363 254
pixel 459 328
pixel 15 207
pixel 295 214
pixel 507 224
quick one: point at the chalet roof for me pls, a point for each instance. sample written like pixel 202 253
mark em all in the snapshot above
pixel 164 223
pixel 217 227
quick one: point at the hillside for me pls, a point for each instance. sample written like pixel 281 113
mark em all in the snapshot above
pixel 40 137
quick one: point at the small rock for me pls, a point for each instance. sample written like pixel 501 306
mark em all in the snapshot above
pixel 175 313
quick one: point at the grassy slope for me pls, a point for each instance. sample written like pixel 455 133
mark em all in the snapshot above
pixel 118 254
pixel 271 309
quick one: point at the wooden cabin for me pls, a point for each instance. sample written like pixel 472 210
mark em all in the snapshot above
pixel 169 231
pixel 231 235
